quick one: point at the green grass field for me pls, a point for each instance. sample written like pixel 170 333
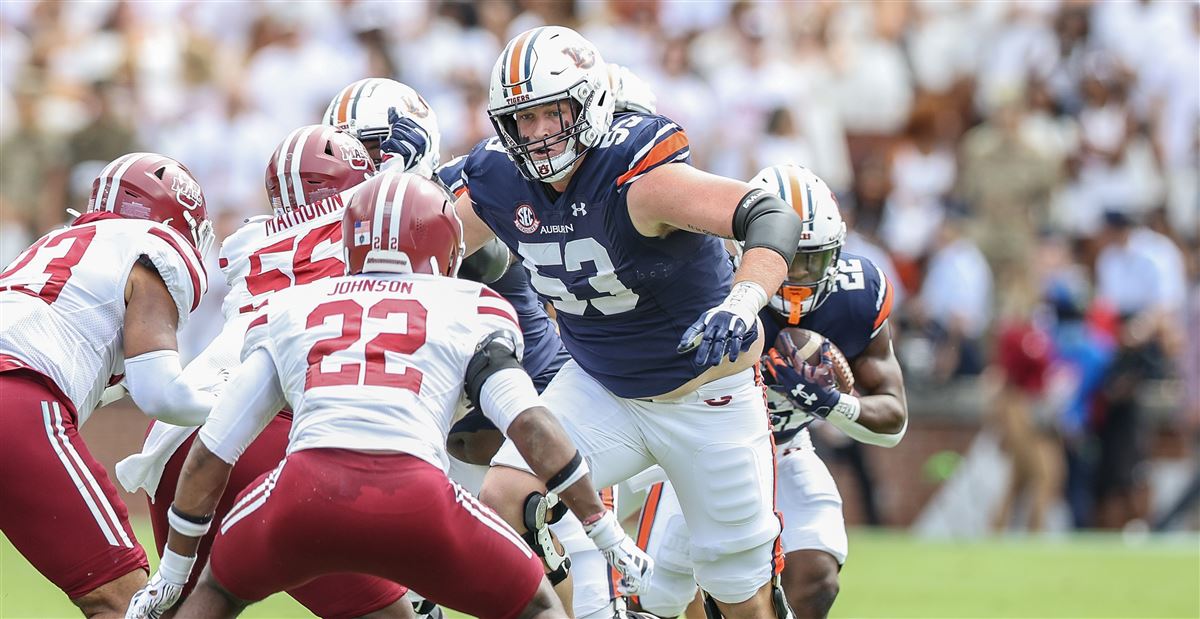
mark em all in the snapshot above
pixel 891 575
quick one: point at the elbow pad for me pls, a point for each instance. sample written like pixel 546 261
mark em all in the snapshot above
pixel 495 352
pixel 486 265
pixel 763 219
pixel 157 385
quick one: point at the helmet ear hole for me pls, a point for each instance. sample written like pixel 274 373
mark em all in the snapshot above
pixel 160 172
pixel 329 148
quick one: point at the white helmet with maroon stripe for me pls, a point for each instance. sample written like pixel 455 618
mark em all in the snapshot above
pixel 815 266
pixel 155 187
pixel 313 163
pixel 402 223
pixel 362 109
pixel 550 64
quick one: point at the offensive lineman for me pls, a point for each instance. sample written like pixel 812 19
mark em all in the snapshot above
pixel 102 297
pixel 613 227
pixel 374 364
pixel 847 299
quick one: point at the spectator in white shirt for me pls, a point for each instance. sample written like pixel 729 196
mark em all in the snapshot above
pixel 955 301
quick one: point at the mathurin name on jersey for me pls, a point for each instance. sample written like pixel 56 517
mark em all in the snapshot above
pixel 304 213
pixel 371 285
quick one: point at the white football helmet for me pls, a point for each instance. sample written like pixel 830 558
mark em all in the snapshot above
pixel 550 64
pixel 815 266
pixel 362 109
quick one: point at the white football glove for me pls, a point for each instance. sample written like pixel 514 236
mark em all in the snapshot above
pixel 630 92
pixel 622 553
pixel 163 589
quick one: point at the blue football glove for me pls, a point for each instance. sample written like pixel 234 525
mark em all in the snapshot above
pixel 811 388
pixel 727 329
pixel 407 142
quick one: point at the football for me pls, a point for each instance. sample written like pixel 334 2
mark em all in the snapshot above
pixel 808 350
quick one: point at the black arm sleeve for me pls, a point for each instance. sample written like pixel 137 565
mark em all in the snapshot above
pixel 496 352
pixel 487 264
pixel 764 220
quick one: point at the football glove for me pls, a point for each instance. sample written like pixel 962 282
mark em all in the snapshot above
pixel 630 92
pixel 811 388
pixel 406 145
pixel 163 589
pixel 727 329
pixel 634 565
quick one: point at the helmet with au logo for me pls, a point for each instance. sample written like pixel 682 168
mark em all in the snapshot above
pixel 402 223
pixel 362 109
pixel 815 266
pixel 550 65
pixel 313 163
pixel 155 187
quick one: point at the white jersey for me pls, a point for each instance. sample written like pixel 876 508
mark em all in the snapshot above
pixel 266 255
pixel 62 301
pixel 377 362
pixel 271 253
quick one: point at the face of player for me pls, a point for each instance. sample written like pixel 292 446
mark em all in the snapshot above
pixel 810 267
pixel 543 121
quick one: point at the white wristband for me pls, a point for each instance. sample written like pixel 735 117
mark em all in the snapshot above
pixel 746 298
pixel 576 475
pixel 848 407
pixel 844 417
pixel 175 568
pixel 185 526
pixel 606 532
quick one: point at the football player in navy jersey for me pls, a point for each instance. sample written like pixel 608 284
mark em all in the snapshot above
pixel 847 299
pixel 473 439
pixel 620 234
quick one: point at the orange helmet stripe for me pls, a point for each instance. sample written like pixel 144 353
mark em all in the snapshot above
pixel 514 61
pixel 798 202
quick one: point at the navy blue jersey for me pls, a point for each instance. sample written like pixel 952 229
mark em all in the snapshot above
pixel 623 300
pixel 543 348
pixel 858 305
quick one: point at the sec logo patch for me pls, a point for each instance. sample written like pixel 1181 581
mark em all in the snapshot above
pixel 525 219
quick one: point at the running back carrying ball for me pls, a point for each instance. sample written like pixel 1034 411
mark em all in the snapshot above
pixel 806 347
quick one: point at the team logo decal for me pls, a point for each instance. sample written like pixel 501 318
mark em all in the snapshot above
pixel 525 219
pixel 584 58
pixel 354 154
pixel 187 192
pixel 418 107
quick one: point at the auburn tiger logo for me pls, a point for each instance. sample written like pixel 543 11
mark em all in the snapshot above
pixel 584 58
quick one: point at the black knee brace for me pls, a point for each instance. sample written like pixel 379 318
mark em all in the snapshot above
pixel 539 513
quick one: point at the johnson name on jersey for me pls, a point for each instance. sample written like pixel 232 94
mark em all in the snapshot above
pixel 377 362
pixel 613 289
pixel 857 307
pixel 62 301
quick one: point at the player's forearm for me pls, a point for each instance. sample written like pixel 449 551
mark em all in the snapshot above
pixel 545 446
pixel 847 416
pixel 883 413
pixel 201 484
pixel 764 267
pixel 158 386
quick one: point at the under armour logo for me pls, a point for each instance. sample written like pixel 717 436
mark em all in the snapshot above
pixel 799 392
pixel 578 209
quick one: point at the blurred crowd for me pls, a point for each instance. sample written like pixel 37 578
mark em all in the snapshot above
pixel 1026 172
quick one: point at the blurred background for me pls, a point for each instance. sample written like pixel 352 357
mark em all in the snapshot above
pixel 1026 172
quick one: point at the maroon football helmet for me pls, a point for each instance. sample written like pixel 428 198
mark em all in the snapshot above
pixel 313 163
pixel 402 223
pixel 155 187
